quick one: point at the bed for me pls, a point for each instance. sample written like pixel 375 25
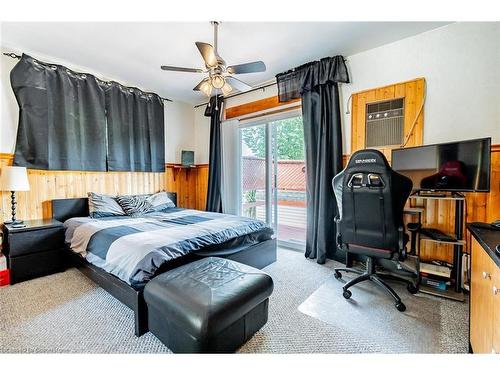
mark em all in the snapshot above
pixel 141 248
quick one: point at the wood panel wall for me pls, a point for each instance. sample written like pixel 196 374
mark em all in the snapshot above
pixel 189 184
pixel 413 94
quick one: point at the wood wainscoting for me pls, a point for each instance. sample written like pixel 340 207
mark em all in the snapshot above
pixel 191 188
pixel 189 184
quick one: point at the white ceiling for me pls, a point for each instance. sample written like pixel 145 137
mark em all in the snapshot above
pixel 132 52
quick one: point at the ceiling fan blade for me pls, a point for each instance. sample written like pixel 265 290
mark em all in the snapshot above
pixel 237 84
pixel 179 69
pixel 208 54
pixel 252 67
pixel 199 85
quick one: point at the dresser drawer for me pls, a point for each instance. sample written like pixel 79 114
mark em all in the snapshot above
pixel 30 266
pixel 35 241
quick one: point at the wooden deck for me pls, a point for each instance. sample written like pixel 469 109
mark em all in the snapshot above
pixel 292 221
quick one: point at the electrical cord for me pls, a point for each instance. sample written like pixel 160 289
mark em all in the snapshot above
pixel 412 128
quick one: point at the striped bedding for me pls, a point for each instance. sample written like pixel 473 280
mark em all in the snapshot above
pixel 133 248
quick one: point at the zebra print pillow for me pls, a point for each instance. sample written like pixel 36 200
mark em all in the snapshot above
pixel 135 205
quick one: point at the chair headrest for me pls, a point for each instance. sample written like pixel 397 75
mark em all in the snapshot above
pixel 368 159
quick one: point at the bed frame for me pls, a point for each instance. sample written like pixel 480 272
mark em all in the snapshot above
pixel 257 255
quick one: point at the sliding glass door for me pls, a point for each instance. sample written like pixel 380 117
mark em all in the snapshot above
pixel 255 184
pixel 273 183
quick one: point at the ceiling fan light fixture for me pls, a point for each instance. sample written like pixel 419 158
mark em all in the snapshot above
pixel 220 76
pixel 226 89
pixel 218 81
pixel 206 88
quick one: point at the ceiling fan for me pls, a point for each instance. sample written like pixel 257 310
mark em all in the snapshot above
pixel 220 76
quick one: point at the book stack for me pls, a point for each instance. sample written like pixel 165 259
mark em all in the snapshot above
pixel 435 276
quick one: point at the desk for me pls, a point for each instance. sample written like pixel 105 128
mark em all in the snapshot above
pixel 418 211
pixel 459 199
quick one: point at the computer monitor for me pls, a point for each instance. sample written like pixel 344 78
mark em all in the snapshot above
pixel 456 166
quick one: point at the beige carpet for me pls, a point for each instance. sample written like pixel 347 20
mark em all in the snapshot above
pixel 67 313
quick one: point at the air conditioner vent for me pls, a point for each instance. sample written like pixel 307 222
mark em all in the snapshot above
pixel 385 123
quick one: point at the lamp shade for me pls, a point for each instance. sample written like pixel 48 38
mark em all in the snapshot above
pixel 14 179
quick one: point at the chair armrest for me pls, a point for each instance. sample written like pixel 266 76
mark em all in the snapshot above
pixel 414 227
pixel 338 237
pixel 401 243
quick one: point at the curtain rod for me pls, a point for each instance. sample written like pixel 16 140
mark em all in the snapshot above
pixel 240 93
pixel 15 56
pixel 254 89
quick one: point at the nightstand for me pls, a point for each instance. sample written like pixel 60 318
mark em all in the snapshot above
pixel 34 250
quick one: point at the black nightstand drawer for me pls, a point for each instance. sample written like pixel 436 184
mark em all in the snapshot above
pixel 35 241
pixel 27 267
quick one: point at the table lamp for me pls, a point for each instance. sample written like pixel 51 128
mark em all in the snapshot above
pixel 14 179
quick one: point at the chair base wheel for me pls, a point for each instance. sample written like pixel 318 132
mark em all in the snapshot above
pixel 347 294
pixel 412 288
pixel 400 306
pixel 338 275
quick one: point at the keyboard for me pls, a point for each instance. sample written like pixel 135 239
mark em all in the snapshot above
pixel 437 235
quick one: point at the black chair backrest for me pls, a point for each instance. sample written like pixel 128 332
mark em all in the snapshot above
pixel 371 199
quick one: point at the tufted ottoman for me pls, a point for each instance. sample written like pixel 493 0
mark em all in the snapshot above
pixel 212 305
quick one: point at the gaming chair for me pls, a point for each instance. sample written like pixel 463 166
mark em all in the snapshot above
pixel 371 198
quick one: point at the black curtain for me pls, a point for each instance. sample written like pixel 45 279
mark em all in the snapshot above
pixel 74 121
pixel 214 110
pixel 135 123
pixel 316 83
pixel 62 123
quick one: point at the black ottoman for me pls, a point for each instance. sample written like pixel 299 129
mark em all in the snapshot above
pixel 213 305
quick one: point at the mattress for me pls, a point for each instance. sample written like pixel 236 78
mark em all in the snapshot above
pixel 134 248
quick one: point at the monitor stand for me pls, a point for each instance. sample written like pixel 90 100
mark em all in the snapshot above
pixel 430 193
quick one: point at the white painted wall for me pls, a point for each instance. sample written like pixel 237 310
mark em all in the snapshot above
pixel 179 116
pixel 179 130
pixel 202 135
pixel 461 64
pixel 252 96
pixel 9 111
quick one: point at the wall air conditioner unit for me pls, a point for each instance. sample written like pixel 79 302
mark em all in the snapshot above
pixel 385 123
